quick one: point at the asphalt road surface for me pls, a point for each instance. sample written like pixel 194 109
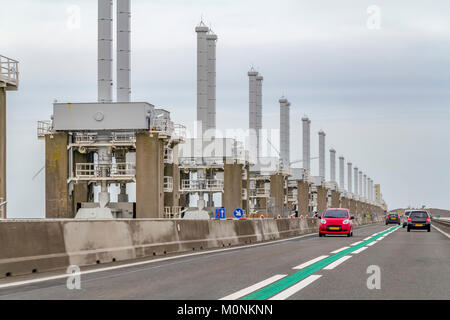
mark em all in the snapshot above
pixel 402 265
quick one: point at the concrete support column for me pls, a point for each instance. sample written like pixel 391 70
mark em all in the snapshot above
pixel 149 176
pixel 335 199
pixel 232 197
pixel 321 199
pixel 349 178
pixel 303 198
pixel 2 151
pixel 277 193
pixel 246 186
pixel 56 175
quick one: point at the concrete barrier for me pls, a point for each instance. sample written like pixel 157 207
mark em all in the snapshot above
pixel 29 246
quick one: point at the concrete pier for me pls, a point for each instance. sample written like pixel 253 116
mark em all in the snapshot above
pixel 3 151
pixel 57 202
pixel 303 198
pixel 277 192
pixel 321 199
pixel 149 176
pixel 232 197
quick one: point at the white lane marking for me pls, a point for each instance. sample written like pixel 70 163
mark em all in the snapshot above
pixel 360 250
pixel 333 265
pixel 444 233
pixel 367 238
pixel 381 238
pixel 310 262
pixel 255 287
pixel 372 243
pixel 339 250
pixel 356 243
pixel 295 288
pixel 135 264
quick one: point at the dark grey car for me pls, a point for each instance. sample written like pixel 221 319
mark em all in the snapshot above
pixel 419 219
pixel 392 217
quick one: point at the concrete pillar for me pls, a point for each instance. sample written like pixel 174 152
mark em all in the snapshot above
pixel 56 174
pixel 211 41
pixel 202 77
pixel 321 199
pixel 149 176
pixel 360 184
pixel 246 186
pixel 349 178
pixel 335 199
pixel 277 193
pixel 303 198
pixel 2 151
pixel 332 165
pixel 322 154
pixel 341 173
pixel 306 126
pixel 232 197
pixel 355 176
pixel 352 207
pixel 80 190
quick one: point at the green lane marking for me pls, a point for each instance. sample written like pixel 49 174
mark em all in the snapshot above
pixel 283 284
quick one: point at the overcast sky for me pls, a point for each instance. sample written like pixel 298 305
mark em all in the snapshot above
pixel 381 95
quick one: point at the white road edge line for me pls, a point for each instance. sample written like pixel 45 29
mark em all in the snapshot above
pixel 295 288
pixel 310 262
pixel 360 250
pixel 259 285
pixel 333 265
pixel 356 243
pixel 339 250
pixel 135 264
pixel 443 232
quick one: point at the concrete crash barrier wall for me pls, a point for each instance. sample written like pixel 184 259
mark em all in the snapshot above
pixel 443 224
pixel 30 246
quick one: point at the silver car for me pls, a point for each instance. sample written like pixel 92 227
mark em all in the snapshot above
pixel 405 218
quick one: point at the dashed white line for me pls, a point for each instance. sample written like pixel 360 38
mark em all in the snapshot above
pixel 310 262
pixel 356 243
pixel 367 238
pixel 295 288
pixel 333 265
pixel 372 243
pixel 339 250
pixel 255 287
pixel 360 250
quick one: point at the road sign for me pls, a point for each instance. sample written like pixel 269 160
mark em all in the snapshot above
pixel 220 213
pixel 238 213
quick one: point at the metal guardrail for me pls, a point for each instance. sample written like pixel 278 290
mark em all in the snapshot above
pixel 168 184
pixel 94 171
pixel 259 193
pixel 44 128
pixel 9 71
pixel 204 185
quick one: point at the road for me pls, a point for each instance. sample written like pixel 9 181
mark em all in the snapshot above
pixel 413 265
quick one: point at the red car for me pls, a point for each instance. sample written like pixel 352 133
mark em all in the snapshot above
pixel 336 221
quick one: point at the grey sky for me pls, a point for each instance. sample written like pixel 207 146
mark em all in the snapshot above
pixel 382 96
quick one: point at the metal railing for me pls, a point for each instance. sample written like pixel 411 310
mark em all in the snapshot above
pixel 9 71
pixel 206 185
pixel 123 137
pixel 259 193
pixel 44 127
pixel 161 125
pixel 179 132
pixel 172 212
pixel 85 137
pixel 168 184
pixel 124 170
pixel 168 155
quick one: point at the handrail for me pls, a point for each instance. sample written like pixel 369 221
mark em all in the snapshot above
pixel 9 70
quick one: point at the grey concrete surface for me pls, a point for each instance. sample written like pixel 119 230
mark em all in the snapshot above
pixel 414 265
